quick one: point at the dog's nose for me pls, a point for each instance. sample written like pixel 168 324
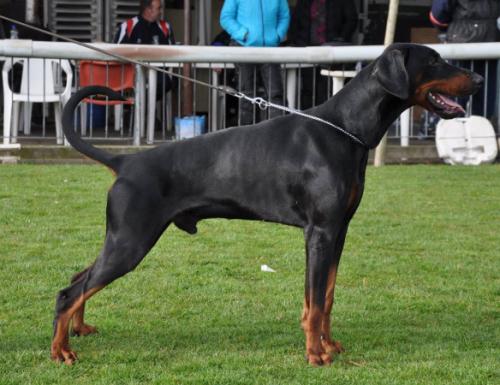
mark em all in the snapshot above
pixel 477 79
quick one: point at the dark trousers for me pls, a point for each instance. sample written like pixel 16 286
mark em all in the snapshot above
pixel 313 87
pixel 484 101
pixel 164 84
pixel 250 76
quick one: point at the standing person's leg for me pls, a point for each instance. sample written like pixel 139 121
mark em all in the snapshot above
pixel 491 93
pixel 246 80
pixel 321 86
pixel 271 77
pixel 483 101
pixel 478 100
pixel 306 88
pixel 164 84
pixel 464 101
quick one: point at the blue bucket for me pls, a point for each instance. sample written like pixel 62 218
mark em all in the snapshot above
pixel 96 114
pixel 189 126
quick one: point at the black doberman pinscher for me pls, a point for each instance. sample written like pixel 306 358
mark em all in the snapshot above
pixel 290 170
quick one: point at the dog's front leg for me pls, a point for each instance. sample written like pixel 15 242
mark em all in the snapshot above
pixel 320 243
pixel 328 343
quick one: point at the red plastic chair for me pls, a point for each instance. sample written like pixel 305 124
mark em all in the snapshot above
pixel 120 77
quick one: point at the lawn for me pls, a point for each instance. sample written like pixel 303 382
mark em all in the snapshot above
pixel 416 301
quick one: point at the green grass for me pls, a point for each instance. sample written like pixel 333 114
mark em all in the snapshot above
pixel 416 300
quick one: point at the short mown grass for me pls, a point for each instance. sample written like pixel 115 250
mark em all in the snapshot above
pixel 416 300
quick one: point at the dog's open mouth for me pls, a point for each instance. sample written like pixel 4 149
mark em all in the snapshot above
pixel 444 106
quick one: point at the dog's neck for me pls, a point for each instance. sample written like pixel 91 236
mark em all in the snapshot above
pixel 367 109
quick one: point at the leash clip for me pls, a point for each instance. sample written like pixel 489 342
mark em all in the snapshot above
pixel 263 105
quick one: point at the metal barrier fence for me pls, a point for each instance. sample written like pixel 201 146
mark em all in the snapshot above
pixel 308 75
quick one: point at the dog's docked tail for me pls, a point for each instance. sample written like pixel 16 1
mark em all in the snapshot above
pixel 101 156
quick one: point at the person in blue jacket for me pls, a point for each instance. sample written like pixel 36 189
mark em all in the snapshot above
pixel 257 23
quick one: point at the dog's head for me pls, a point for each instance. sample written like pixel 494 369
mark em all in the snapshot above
pixel 418 74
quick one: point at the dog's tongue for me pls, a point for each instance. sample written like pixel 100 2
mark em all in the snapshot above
pixel 451 103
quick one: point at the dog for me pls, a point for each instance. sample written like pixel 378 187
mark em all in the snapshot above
pixel 289 170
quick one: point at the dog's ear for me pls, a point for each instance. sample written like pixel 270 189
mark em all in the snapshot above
pixel 391 74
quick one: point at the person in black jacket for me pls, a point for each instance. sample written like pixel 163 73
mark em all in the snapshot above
pixel 145 28
pixel 467 21
pixel 472 21
pixel 320 22
pixel 336 21
pixel 148 28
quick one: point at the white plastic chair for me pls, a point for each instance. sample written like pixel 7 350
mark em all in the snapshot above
pixel 469 141
pixel 38 85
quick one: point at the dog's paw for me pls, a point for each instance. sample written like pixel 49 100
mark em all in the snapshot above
pixel 319 359
pixel 63 354
pixel 83 330
pixel 332 347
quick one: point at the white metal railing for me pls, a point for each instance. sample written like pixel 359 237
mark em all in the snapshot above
pixel 203 54
pixel 213 58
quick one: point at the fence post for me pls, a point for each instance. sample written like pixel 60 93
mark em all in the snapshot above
pixel 389 38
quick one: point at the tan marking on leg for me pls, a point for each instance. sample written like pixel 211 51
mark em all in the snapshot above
pixel 312 329
pixel 305 314
pixel 79 327
pixel 329 345
pixel 60 349
pixel 330 288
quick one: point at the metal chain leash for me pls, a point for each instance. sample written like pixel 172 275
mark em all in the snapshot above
pixel 264 105
pixel 260 102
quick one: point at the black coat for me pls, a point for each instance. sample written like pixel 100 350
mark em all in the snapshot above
pixel 140 31
pixel 341 21
pixel 467 21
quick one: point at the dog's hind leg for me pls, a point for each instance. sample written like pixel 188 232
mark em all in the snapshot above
pixel 135 222
pixel 68 301
pixel 117 259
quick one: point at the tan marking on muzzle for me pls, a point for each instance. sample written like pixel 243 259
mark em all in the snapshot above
pixel 454 86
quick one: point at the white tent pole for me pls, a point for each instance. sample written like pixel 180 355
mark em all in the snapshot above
pixel 389 39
